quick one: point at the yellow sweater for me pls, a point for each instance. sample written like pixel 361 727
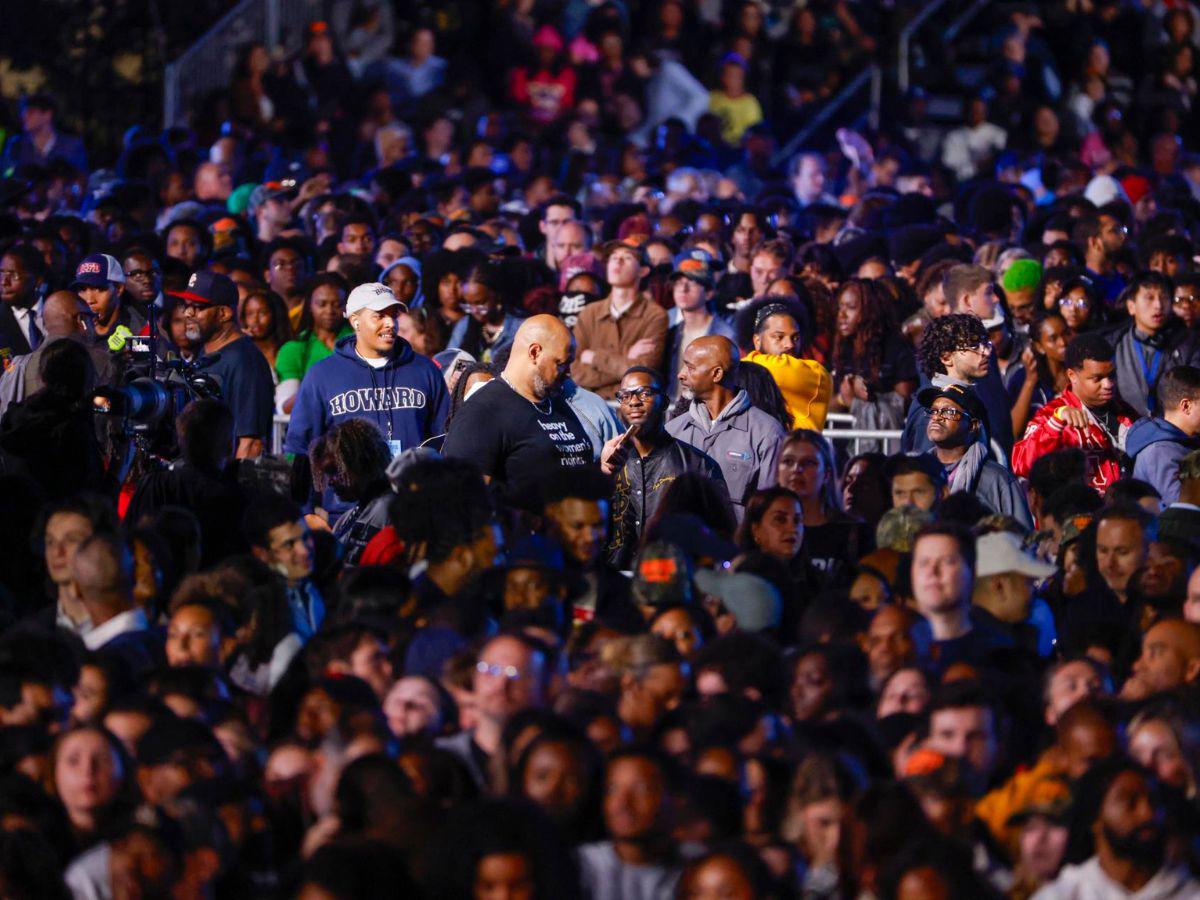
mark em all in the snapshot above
pixel 805 384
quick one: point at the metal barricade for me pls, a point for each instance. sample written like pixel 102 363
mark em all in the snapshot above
pixel 845 432
pixel 839 428
pixel 278 433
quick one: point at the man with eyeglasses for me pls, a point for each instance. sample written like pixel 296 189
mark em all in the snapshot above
pixel 510 676
pixel 644 462
pixel 1089 415
pixel 143 282
pixel 278 536
pixel 1186 301
pixel 955 350
pixel 285 273
pixel 22 277
pixel 210 316
pixel 955 425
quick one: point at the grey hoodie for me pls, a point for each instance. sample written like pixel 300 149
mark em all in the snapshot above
pixel 744 441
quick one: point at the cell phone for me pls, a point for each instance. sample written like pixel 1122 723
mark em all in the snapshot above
pixel 632 429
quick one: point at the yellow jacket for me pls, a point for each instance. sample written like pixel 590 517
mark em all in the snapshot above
pixel 805 384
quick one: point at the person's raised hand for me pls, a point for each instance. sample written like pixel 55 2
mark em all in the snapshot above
pixel 1029 361
pixel 846 391
pixel 614 453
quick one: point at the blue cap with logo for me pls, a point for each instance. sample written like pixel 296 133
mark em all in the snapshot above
pixel 98 270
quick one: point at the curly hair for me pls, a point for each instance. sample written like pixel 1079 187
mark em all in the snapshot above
pixel 946 334
pixel 861 353
pixel 354 449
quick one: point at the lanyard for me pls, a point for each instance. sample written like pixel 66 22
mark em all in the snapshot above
pixel 1150 373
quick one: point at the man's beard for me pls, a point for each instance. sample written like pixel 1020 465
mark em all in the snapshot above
pixel 543 389
pixel 1145 846
pixel 687 394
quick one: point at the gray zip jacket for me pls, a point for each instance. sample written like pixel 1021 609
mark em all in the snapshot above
pixel 744 441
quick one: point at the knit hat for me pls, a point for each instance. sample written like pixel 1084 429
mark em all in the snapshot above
pixel 663 576
pixel 239 200
pixel 1022 275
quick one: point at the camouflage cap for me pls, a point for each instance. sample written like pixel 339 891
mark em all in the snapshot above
pixel 899 526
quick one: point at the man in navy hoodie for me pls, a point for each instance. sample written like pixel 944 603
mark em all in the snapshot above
pixel 373 375
pixel 1157 445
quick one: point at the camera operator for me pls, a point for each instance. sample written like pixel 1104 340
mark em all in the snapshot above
pixel 210 316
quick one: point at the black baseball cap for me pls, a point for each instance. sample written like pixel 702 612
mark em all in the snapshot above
pixel 209 289
pixel 960 394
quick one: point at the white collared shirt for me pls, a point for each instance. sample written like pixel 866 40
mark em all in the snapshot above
pixel 122 623
pixel 62 620
pixel 22 317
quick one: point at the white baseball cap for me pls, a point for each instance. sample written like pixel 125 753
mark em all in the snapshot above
pixel 1000 553
pixel 372 295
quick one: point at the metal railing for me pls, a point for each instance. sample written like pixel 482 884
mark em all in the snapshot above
pixel 872 76
pixel 903 51
pixel 839 428
pixel 845 431
pixel 963 20
pixel 904 48
pixel 208 64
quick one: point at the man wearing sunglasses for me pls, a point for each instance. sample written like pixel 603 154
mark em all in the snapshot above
pixel 644 461
pixel 954 428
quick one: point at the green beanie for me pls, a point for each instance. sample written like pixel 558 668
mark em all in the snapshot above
pixel 240 199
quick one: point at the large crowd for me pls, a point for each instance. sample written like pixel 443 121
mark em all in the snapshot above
pixel 420 476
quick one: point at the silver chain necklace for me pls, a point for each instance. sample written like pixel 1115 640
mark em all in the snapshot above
pixel 542 412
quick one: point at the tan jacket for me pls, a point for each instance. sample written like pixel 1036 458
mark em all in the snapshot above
pixel 611 339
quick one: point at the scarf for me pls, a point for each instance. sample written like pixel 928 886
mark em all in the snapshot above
pixel 966 473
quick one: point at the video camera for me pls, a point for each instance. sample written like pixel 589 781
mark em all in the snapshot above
pixel 139 409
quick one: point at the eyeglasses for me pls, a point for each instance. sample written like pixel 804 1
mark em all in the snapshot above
pixel 288 264
pixel 949 414
pixel 1075 303
pixel 983 349
pixel 1185 300
pixel 141 274
pixel 645 394
pixel 509 673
